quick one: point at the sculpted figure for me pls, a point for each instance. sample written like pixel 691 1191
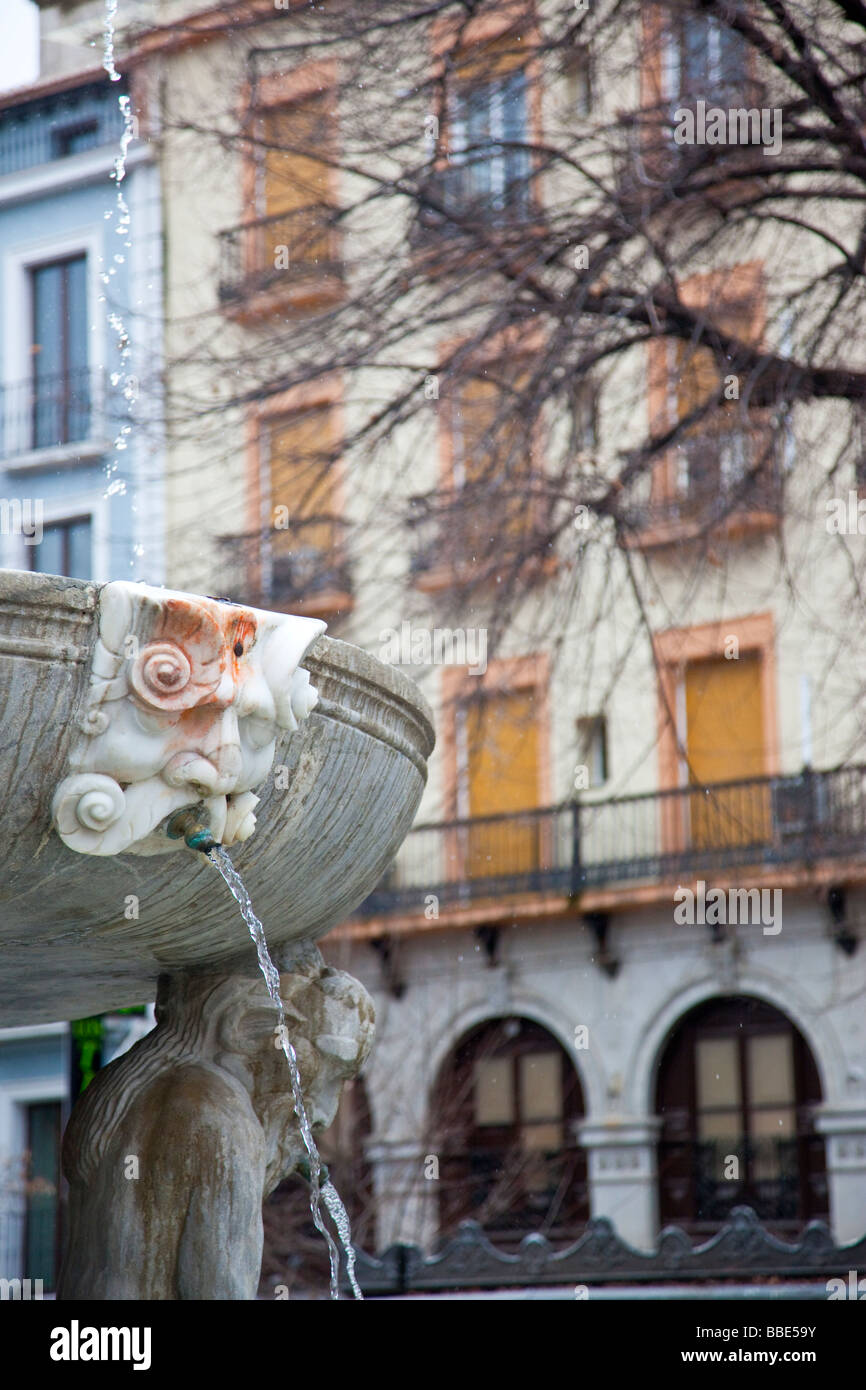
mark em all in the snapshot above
pixel 186 697
pixel 172 1148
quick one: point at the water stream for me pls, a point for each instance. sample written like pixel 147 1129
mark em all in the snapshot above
pixel 319 1192
pixel 122 377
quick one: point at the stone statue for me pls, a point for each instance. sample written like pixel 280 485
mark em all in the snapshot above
pixel 173 1147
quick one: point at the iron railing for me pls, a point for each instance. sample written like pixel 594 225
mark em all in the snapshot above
pixel 481 525
pixel 54 410
pixel 29 1240
pixel 587 844
pixel 482 189
pixel 316 563
pixel 723 472
pixel 281 249
pixel 743 1249
pixel 774 1178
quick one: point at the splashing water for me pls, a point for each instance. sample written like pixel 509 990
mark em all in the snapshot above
pixel 324 1192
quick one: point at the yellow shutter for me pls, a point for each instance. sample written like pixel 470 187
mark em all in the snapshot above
pixel 493 58
pixel 297 183
pixel 698 375
pixel 725 743
pixel 502 752
pixel 303 449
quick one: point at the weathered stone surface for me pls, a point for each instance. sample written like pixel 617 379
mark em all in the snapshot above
pixel 172 1148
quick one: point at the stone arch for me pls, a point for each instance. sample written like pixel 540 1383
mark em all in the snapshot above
pixel 818 1033
pixel 505 1108
pixel 736 1092
pixel 524 1005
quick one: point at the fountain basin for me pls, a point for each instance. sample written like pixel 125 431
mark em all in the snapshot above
pixel 82 933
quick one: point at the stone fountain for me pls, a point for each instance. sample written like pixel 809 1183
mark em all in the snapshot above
pixel 140 725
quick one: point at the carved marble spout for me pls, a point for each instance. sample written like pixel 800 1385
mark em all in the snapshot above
pixel 187 696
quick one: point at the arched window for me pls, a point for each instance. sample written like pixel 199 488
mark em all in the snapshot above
pixel 507 1106
pixel 736 1089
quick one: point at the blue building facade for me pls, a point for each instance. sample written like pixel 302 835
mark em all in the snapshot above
pixel 80 494
pixel 80 296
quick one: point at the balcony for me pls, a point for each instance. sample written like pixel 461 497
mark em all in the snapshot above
pixel 491 187
pixel 655 837
pixel 470 536
pixel 780 1178
pixel 726 480
pixel 54 413
pixel 59 124
pixel 287 260
pixel 313 578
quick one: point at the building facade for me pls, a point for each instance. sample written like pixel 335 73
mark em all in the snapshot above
pixel 617 963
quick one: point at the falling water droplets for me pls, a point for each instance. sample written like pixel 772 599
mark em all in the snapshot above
pixel 120 214
pixel 319 1191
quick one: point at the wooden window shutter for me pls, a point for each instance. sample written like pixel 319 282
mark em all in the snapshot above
pixel 297 180
pixel 302 462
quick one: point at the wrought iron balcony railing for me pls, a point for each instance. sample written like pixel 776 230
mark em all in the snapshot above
pixel 722 474
pixel 775 1179
pixel 52 411
pixel 284 249
pixel 486 189
pixel 315 563
pixel 656 835
pixel 482 526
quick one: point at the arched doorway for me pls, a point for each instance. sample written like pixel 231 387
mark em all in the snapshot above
pixel 507 1105
pixel 736 1089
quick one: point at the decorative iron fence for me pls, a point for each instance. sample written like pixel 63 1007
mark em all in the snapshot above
pixel 585 844
pixel 721 473
pixel 778 1178
pixel 742 1250
pixel 304 570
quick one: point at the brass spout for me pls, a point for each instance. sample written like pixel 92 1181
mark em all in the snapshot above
pixel 190 825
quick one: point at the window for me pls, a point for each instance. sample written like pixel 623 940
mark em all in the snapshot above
pixel 41 1231
pixel 306 532
pixel 585 418
pixel 65 548
pixel 60 389
pixel 726 452
pixel 491 452
pixel 295 198
pixel 489 158
pixel 858 440
pixel 726 743
pixel 737 1089
pixel 709 60
pixel 577 74
pixel 592 746
pixel 498 752
pixel 508 1104
pixel 73 139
